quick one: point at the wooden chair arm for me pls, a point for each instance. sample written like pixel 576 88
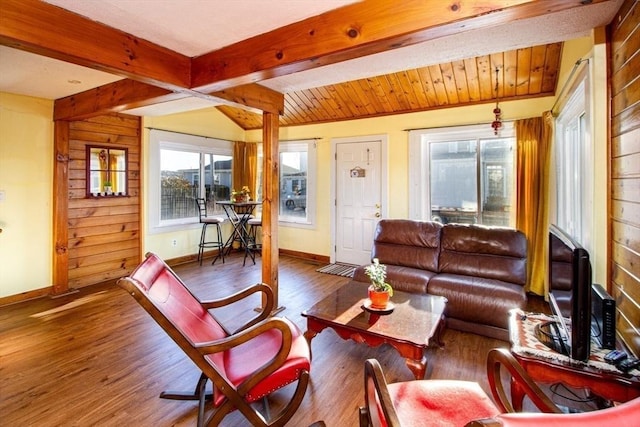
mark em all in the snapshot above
pixel 246 335
pixel 238 296
pixel 376 394
pixel 499 357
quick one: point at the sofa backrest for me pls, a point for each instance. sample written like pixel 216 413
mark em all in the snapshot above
pixel 561 265
pixel 484 251
pixel 407 243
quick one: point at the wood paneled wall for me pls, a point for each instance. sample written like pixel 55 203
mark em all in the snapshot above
pixel 104 235
pixel 624 36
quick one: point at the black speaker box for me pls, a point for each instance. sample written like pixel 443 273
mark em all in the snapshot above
pixel 603 317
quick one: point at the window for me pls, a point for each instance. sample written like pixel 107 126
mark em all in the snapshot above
pixel 462 175
pixel 297 177
pixel 183 168
pixel 106 171
pixel 574 166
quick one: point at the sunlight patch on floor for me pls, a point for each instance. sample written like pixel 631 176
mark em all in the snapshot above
pixel 70 305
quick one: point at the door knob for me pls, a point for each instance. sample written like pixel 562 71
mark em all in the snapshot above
pixel 377 214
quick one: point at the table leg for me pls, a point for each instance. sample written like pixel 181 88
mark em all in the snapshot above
pixel 417 367
pixel 308 335
pixel 244 241
pixel 440 331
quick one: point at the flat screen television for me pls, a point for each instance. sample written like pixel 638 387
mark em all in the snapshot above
pixel 570 295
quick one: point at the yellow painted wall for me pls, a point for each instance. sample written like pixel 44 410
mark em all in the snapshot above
pixel 599 132
pixel 26 175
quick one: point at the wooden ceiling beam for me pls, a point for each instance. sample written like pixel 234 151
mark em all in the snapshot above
pixel 51 31
pixel 353 31
pixel 112 97
pixel 127 94
pixel 254 96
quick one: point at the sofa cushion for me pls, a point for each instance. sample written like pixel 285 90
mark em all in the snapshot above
pixel 407 243
pixel 482 251
pixel 477 299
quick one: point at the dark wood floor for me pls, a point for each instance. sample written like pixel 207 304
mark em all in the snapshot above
pixel 96 358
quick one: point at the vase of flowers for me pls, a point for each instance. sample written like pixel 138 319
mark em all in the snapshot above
pixel 379 291
pixel 241 196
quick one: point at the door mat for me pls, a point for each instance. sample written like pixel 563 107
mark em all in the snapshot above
pixel 344 270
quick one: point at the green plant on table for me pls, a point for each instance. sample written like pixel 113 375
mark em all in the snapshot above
pixel 378 274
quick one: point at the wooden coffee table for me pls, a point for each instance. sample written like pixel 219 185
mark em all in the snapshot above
pixel 416 321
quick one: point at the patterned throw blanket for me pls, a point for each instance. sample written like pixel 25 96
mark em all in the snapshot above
pixel 525 342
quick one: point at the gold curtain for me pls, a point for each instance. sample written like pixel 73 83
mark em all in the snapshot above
pixel 251 168
pixel 104 167
pixel 245 166
pixel 534 138
pixel 113 175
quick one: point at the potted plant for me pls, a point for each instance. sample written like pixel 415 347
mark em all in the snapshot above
pixel 379 291
pixel 240 196
pixel 107 187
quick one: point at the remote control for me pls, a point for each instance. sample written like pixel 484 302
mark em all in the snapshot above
pixel 614 357
pixel 628 364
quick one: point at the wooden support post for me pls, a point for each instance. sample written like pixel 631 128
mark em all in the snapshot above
pixel 60 208
pixel 270 203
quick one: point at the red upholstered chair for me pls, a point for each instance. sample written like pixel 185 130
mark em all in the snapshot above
pixel 245 365
pixel 441 402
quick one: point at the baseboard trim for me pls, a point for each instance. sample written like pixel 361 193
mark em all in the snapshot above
pixel 321 259
pixel 25 296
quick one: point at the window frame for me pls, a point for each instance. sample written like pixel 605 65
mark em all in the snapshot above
pixel 108 171
pixel 419 161
pixel 159 140
pixel 574 163
pixel 311 148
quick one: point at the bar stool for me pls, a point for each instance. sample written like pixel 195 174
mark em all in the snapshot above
pixel 253 246
pixel 205 221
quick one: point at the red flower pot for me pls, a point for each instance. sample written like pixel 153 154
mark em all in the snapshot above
pixel 379 299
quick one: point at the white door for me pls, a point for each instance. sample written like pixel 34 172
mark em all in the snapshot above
pixel 359 197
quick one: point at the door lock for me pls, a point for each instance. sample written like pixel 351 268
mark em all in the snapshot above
pixel 377 214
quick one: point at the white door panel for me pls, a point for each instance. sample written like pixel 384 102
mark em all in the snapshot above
pixel 359 198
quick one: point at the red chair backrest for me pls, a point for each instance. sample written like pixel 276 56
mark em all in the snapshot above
pixel 177 304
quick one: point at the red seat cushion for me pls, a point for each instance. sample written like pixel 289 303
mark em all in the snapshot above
pixel 440 402
pixel 245 359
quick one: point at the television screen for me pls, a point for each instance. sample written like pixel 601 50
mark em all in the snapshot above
pixel 570 289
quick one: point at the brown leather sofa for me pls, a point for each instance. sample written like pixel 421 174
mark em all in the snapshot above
pixel 481 270
pixel 561 277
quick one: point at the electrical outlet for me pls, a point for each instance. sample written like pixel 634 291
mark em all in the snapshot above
pixel 174 242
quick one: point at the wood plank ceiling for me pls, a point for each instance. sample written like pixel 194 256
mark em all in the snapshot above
pixel 522 73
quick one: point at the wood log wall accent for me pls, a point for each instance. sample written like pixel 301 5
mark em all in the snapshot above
pixel 104 233
pixel 624 38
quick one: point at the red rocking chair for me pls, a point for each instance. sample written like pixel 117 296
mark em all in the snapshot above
pixel 245 365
